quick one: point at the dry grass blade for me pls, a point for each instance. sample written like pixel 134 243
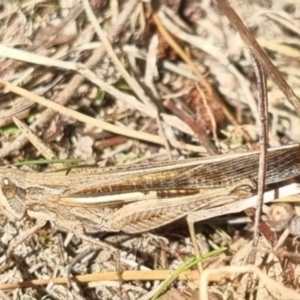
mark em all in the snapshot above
pixel 92 121
pixel 105 276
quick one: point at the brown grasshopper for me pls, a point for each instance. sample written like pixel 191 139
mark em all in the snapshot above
pixel 138 198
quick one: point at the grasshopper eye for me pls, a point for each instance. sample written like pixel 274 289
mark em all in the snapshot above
pixel 9 189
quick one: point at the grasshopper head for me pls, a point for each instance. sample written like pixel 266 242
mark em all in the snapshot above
pixel 12 195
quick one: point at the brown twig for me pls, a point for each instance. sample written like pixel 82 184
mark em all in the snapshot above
pixel 259 53
pixel 197 127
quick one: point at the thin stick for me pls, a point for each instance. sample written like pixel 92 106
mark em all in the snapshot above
pixel 263 114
